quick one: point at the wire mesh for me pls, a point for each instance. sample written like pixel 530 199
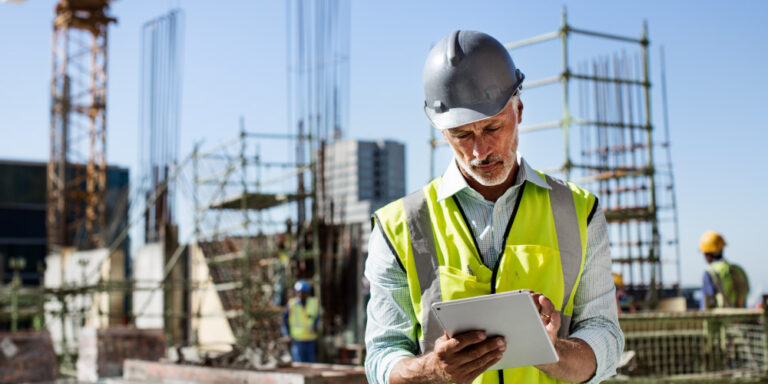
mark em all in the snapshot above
pixel 708 346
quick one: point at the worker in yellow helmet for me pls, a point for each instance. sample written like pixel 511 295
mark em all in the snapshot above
pixel 724 284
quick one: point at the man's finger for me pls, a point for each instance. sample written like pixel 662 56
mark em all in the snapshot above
pixel 463 340
pixel 546 306
pixel 477 351
pixel 553 326
pixel 555 321
pixel 536 297
pixel 477 367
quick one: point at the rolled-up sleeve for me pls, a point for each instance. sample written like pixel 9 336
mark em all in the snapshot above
pixel 595 317
pixel 390 332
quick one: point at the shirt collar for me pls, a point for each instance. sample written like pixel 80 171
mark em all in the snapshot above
pixel 453 180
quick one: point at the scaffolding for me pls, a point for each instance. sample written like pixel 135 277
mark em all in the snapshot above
pixel 252 250
pixel 248 261
pixel 252 235
pixel 248 227
pixel 608 147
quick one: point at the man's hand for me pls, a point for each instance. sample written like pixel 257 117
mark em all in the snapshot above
pixel 457 359
pixel 465 356
pixel 549 316
pixel 577 360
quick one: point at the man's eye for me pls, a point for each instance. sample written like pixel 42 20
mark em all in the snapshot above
pixel 492 129
pixel 461 136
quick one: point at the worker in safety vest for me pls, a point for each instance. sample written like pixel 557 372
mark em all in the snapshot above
pixel 491 223
pixel 724 285
pixel 300 322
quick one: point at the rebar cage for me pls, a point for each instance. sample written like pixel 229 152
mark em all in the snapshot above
pixel 727 345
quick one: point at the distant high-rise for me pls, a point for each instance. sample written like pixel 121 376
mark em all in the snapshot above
pixel 359 177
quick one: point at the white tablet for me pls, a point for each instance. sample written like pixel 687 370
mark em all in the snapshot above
pixel 509 314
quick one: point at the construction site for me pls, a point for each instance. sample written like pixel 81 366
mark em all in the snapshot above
pixel 183 271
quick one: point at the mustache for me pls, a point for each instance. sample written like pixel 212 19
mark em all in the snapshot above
pixel 488 160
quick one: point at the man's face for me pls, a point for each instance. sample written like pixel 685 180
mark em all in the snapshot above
pixel 486 149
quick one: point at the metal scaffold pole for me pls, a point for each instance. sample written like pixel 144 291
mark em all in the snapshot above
pixel 566 119
pixel 653 256
pixel 246 274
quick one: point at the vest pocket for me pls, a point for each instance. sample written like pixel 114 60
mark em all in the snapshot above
pixel 457 284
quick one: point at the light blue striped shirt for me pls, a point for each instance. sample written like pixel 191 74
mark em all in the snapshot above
pixel 390 334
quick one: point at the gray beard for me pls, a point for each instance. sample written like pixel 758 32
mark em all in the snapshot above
pixel 484 180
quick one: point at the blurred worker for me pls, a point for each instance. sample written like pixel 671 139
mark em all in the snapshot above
pixel 281 273
pixel 491 223
pixel 300 322
pixel 624 302
pixel 724 285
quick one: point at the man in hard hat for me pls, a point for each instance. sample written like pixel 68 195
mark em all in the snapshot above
pixel 724 284
pixel 300 322
pixel 490 224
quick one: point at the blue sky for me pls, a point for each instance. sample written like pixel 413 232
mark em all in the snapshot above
pixel 235 60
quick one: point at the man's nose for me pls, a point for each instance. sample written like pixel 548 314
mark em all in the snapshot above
pixel 481 148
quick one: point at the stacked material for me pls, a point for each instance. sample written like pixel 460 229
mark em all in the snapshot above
pixel 103 351
pixel 26 357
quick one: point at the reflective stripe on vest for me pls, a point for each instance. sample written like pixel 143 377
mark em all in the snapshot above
pixel 569 241
pixel 301 319
pixel 434 244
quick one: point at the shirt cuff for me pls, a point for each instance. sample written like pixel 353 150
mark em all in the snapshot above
pixel 390 359
pixel 595 338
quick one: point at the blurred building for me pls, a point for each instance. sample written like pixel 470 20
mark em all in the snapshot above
pixel 22 215
pixel 360 177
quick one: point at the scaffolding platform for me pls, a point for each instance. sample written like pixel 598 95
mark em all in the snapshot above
pixel 257 201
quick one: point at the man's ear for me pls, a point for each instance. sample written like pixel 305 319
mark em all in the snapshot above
pixel 519 111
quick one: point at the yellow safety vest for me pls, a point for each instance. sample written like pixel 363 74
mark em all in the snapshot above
pixel 544 252
pixel 731 284
pixel 301 319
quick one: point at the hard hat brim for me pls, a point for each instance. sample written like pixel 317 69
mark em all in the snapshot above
pixel 456 117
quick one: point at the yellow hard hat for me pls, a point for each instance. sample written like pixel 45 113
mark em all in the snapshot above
pixel 711 242
pixel 618 280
